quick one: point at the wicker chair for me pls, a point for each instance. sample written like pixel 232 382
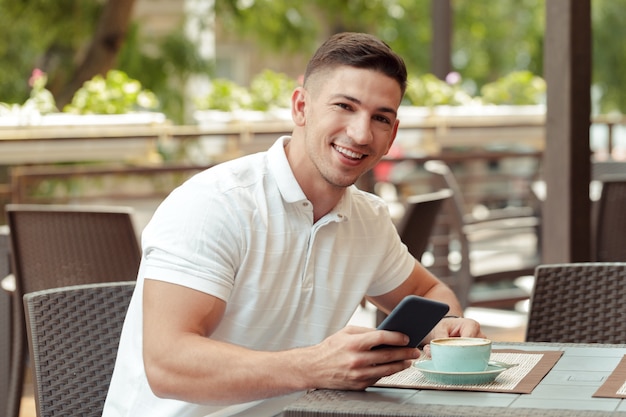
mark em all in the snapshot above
pixel 578 303
pixel 418 221
pixel 609 221
pixel 73 334
pixel 55 246
pixel 488 281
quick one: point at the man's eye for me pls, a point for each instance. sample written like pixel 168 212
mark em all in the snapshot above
pixel 344 106
pixel 382 119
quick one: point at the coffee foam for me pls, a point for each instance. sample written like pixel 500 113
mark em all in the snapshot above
pixel 462 342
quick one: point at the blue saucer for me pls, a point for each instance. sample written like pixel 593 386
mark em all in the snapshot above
pixel 458 378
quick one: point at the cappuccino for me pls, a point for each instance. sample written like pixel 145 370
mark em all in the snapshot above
pixel 464 341
pixel 460 354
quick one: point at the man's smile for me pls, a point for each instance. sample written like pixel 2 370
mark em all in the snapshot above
pixel 348 153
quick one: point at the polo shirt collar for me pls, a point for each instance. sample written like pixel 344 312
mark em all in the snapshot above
pixel 289 187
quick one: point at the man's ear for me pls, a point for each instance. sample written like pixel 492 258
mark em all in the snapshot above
pixel 298 100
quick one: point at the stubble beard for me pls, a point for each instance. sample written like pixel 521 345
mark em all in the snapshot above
pixel 328 173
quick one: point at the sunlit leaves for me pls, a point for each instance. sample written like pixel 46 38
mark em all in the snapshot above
pixel 116 93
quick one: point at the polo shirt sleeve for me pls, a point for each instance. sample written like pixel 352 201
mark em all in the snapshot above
pixel 190 241
pixel 395 268
pixel 394 262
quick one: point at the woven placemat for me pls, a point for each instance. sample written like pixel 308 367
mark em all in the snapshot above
pixel 615 384
pixel 522 379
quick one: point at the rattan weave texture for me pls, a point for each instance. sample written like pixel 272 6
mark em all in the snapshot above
pixel 73 338
pixel 578 303
pixel 58 246
pixel 61 245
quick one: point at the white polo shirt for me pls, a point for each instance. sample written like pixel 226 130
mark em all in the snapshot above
pixel 243 231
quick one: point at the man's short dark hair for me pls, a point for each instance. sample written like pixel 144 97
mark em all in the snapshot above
pixel 359 50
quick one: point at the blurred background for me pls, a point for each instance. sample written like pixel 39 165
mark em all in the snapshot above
pixel 175 48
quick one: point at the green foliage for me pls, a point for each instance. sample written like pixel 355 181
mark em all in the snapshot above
pixel 225 95
pixel 279 25
pixel 496 37
pixel 115 94
pixel 300 25
pixel 42 34
pixel 428 90
pixel 52 34
pixel 491 38
pixel 268 90
pixel 40 97
pixel 609 54
pixel 40 101
pixel 16 63
pixel 271 89
pixel 165 72
pixel 518 88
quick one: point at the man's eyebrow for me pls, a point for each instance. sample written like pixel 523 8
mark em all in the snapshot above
pixel 357 101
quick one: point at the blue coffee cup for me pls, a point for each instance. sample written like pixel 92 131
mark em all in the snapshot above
pixel 460 354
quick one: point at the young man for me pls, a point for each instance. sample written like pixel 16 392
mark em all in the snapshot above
pixel 252 269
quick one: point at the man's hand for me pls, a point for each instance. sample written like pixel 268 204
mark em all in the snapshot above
pixel 346 360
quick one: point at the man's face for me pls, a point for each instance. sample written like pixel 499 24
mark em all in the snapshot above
pixel 350 121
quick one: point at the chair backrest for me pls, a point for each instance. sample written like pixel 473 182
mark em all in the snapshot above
pixel 73 335
pixel 417 223
pixel 58 245
pixel 578 303
pixel 609 222
pixel 446 177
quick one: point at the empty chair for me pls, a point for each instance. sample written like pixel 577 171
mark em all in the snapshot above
pixel 418 221
pixel 73 334
pixel 578 303
pixel 57 245
pixel 609 222
pixel 493 251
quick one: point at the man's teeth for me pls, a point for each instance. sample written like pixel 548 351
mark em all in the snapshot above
pixel 348 152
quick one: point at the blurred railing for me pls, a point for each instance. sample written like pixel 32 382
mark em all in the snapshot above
pixel 480 148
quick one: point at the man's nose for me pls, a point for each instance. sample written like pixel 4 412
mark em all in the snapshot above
pixel 359 129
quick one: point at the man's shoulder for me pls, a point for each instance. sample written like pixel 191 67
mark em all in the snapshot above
pixel 367 204
pixel 366 198
pixel 238 171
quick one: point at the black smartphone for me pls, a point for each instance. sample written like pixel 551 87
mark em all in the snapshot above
pixel 415 317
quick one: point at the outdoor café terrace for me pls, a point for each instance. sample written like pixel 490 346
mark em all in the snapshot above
pixel 541 164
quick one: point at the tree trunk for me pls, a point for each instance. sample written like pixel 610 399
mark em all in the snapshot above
pixel 102 53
